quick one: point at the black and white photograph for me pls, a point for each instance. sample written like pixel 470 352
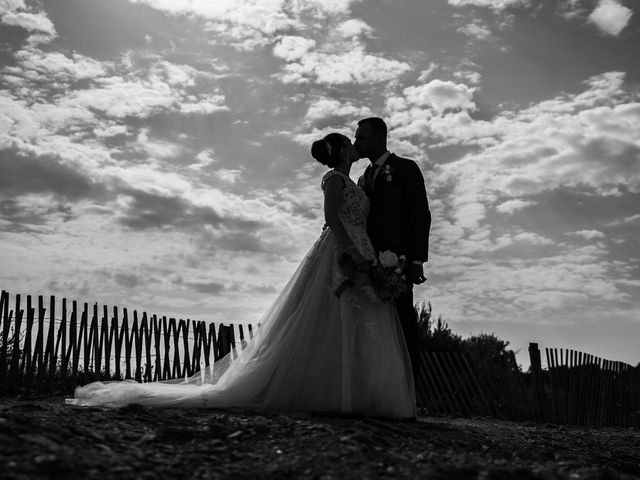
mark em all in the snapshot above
pixel 319 239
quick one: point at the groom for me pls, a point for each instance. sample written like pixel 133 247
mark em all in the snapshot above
pixel 400 218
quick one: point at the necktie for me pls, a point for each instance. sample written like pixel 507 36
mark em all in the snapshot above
pixel 371 177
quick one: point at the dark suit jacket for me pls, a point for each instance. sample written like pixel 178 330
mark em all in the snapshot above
pixel 400 218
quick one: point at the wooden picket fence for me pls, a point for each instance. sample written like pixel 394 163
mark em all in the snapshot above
pixel 47 353
pixel 448 384
pixel 51 350
pixel 581 389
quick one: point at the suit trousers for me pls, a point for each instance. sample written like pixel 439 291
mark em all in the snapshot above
pixel 409 323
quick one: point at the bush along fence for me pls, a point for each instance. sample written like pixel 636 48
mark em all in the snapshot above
pixel 41 352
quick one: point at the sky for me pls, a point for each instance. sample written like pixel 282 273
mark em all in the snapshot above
pixel 154 154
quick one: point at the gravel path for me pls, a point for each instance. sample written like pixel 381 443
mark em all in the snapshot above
pixel 44 438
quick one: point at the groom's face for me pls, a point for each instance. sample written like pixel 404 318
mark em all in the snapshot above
pixel 366 141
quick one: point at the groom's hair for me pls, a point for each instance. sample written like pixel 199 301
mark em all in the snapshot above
pixel 377 125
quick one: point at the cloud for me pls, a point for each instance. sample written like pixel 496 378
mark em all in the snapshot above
pixel 327 111
pixel 127 280
pixel 585 139
pixel 353 28
pixel 247 24
pixel 611 17
pixel 37 23
pixel 210 288
pixel 47 68
pixel 589 234
pixel 144 210
pixel 204 159
pixel 239 242
pixel 11 6
pixel 173 74
pixel 511 206
pixel 536 277
pixel 293 48
pixel 469 76
pixel 352 66
pixel 156 148
pixel 585 142
pixel 33 213
pixel 476 30
pixel 229 176
pixel 497 5
pixel 109 130
pixel 119 98
pixel 23 174
pixel 441 95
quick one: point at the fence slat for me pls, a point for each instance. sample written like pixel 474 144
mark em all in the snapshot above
pixel 27 361
pixel 124 338
pixel 4 338
pixel 49 354
pixel 185 345
pixel 14 372
pixel 117 337
pixel 166 331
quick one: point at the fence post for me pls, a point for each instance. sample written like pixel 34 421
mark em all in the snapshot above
pixel 14 372
pixel 536 382
pixel 5 322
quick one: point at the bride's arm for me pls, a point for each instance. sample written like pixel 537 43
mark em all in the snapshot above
pixel 332 198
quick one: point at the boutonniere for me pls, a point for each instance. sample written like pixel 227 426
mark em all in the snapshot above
pixel 387 172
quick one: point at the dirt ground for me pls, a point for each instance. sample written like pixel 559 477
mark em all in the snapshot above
pixel 45 438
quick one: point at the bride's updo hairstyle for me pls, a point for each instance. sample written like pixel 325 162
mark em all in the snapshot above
pixel 328 150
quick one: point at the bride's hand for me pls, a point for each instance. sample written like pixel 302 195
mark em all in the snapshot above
pixel 356 256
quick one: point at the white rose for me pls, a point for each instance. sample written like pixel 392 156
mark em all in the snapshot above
pixel 388 259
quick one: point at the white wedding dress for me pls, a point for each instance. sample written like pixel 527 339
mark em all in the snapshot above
pixel 313 352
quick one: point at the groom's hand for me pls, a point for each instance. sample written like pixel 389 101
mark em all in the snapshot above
pixel 416 274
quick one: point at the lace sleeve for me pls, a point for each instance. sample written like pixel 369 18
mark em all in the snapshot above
pixel 326 177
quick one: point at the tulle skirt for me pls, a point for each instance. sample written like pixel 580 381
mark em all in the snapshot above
pixel 313 352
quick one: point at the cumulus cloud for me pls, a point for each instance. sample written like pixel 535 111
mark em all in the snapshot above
pixel 37 65
pixel 292 48
pixel 350 67
pixel 511 206
pixel 497 5
pixel 37 23
pixel 156 148
pixel 247 24
pixel 476 30
pixel 119 98
pixel 441 95
pixel 353 28
pixel 143 210
pixel 128 280
pixel 611 17
pixel 24 174
pixel 204 159
pixel 209 288
pixel 468 76
pixel 582 142
pixel 229 176
pixel 325 111
pixel 589 234
pixel 11 6
pixel 110 130
pixel 203 104
pixel 173 74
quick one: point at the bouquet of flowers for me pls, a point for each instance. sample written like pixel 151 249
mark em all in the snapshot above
pixel 387 276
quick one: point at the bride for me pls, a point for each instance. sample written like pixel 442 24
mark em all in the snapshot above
pixel 314 351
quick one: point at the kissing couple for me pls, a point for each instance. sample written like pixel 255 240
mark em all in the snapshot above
pixel 320 347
